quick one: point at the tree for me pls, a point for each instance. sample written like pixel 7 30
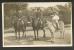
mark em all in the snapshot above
pixel 65 13
pixel 11 11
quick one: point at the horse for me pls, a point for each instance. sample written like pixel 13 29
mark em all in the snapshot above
pixel 52 28
pixel 61 28
pixel 37 24
pixel 19 25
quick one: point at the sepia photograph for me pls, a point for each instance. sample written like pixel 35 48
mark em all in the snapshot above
pixel 37 24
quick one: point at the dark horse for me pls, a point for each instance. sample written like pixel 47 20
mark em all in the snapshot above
pixel 19 25
pixel 37 24
pixel 42 23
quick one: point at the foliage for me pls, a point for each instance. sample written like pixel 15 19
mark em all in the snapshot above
pixel 12 11
pixel 65 13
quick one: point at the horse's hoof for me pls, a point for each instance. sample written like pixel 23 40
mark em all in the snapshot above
pixel 52 40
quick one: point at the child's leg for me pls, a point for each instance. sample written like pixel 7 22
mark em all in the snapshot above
pixel 57 25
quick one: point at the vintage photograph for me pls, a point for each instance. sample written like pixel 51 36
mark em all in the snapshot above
pixel 37 24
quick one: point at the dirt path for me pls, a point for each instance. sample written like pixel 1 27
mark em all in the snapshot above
pixel 9 38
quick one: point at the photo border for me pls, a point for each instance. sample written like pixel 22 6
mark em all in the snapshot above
pixel 52 45
pixel 41 48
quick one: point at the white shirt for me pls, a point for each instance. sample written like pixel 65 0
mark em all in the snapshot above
pixel 55 17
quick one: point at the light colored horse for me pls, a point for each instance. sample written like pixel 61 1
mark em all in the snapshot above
pixel 52 28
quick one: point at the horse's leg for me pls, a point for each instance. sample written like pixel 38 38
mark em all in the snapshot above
pixel 19 34
pixel 23 30
pixel 37 34
pixel 15 34
pixel 44 33
pixel 62 34
pixel 23 33
pixel 52 35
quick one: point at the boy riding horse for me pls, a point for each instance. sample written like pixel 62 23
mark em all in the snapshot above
pixel 55 19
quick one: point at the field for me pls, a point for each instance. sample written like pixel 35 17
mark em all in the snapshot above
pixel 9 37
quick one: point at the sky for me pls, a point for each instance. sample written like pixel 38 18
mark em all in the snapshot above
pixel 46 4
pixel 40 4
